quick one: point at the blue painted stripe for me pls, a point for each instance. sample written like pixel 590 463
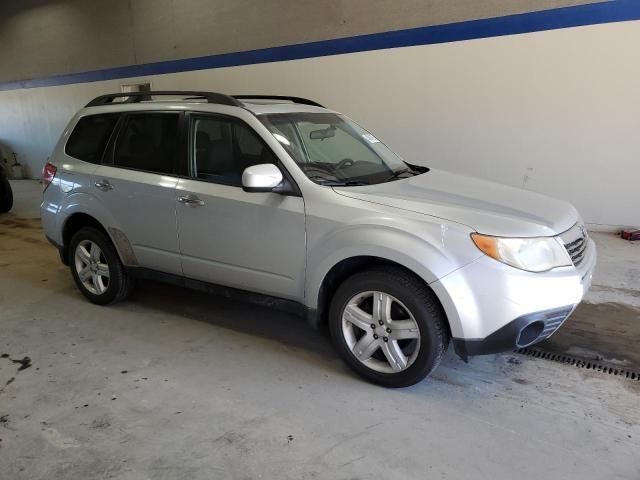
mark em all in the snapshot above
pixel 590 14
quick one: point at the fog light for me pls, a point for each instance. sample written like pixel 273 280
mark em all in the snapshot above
pixel 530 334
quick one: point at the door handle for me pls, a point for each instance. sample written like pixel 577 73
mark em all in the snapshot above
pixel 191 201
pixel 104 185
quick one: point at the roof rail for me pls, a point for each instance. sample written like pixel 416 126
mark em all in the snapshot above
pixel 303 101
pixel 136 97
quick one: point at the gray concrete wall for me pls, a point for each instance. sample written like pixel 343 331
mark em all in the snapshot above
pixel 42 38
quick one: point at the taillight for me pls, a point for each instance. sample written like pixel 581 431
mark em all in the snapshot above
pixel 48 172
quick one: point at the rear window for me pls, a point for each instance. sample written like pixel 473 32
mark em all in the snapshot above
pixel 89 138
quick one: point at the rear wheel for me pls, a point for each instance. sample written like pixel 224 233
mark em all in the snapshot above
pixel 6 195
pixel 96 267
pixel 388 326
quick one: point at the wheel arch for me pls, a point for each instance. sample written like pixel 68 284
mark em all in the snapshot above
pixel 348 267
pixel 74 223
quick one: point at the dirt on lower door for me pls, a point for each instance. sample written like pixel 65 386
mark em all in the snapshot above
pixel 605 332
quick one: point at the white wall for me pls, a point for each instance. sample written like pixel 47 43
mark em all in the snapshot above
pixel 556 112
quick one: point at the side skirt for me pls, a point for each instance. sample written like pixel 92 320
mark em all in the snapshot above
pixel 282 304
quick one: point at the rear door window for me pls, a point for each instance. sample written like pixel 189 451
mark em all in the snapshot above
pixel 148 142
pixel 90 136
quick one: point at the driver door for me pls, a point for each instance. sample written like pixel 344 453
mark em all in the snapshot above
pixel 250 241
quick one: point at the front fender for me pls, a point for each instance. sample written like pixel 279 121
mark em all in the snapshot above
pixel 429 259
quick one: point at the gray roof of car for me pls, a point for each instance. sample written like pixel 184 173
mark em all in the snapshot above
pixel 267 107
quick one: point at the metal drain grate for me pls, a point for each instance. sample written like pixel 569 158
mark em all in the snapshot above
pixel 589 364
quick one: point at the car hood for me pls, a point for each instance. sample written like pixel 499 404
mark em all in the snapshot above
pixel 484 206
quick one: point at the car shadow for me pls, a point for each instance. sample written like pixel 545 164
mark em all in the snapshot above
pixel 243 317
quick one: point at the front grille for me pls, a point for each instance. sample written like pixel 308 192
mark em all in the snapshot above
pixel 577 249
pixel 576 241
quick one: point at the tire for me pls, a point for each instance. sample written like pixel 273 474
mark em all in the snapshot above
pixel 111 288
pixel 414 312
pixel 6 195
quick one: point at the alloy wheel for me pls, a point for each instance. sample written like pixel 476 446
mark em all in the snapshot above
pixel 381 332
pixel 92 267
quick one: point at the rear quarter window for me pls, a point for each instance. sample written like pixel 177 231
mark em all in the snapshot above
pixel 89 138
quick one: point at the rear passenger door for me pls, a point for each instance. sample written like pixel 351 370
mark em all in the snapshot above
pixel 136 182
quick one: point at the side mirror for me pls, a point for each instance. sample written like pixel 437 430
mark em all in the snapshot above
pixel 261 178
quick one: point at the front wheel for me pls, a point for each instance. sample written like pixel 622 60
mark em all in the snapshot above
pixel 388 326
pixel 96 267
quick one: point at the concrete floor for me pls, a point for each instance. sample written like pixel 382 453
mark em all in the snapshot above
pixel 174 384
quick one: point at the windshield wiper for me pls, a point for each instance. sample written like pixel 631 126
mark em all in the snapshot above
pixel 338 183
pixel 397 175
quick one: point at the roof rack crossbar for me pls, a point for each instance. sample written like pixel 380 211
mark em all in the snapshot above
pixel 136 97
pixel 303 101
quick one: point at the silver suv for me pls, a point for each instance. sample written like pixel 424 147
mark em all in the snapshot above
pixel 281 198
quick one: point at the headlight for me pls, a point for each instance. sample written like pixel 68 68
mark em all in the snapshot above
pixel 537 254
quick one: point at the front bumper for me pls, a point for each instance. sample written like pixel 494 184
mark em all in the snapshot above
pixel 521 332
pixel 492 307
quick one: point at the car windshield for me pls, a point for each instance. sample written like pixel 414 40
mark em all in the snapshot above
pixel 332 150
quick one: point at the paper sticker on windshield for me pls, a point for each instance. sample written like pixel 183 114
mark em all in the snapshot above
pixel 370 138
